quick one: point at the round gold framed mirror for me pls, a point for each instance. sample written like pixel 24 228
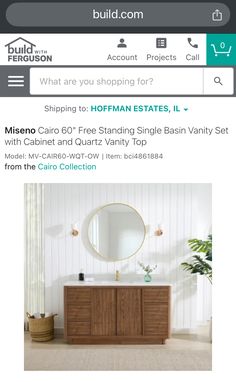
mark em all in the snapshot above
pixel 116 231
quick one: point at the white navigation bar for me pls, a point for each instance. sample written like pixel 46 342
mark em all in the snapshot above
pixel 103 49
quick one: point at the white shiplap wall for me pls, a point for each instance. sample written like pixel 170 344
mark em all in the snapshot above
pixel 183 209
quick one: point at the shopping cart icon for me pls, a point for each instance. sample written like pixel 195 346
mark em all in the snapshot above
pixel 222 49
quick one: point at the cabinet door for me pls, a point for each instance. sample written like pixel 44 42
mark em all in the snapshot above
pixel 103 312
pixel 77 311
pixel 156 305
pixel 129 309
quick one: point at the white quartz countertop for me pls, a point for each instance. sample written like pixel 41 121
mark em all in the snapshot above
pixel 115 283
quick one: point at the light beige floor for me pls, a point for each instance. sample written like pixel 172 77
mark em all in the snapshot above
pixel 181 352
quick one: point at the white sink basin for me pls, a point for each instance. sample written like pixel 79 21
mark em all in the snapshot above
pixel 114 283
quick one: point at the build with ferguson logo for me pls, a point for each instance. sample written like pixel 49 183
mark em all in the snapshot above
pixel 21 50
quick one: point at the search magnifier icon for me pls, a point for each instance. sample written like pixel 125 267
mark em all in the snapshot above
pixel 217 80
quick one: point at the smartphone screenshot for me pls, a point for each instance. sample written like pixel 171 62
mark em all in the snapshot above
pixel 117 161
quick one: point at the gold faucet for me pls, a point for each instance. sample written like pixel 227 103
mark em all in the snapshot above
pixel 117 276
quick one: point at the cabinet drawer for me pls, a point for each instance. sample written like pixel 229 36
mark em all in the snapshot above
pixel 78 313
pixel 156 318
pixel 160 294
pixel 78 329
pixel 78 295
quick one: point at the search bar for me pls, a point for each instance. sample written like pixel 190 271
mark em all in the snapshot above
pixel 117 14
pixel 112 81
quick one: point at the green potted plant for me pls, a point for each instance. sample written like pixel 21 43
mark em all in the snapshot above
pixel 201 263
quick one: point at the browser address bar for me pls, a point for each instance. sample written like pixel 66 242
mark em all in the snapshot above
pixel 97 81
pixel 140 14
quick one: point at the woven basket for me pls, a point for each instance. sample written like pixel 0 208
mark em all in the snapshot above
pixel 41 329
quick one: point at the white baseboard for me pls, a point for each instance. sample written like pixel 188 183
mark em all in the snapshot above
pixel 59 331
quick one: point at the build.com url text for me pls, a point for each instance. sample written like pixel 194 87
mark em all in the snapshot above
pixel 116 14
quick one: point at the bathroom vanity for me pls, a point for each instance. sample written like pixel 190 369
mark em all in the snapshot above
pixel 116 312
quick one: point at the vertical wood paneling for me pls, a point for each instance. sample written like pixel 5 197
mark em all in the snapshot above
pixel 129 312
pixel 103 312
pixel 184 210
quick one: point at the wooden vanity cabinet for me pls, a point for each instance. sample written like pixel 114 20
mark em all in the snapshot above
pixel 117 314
